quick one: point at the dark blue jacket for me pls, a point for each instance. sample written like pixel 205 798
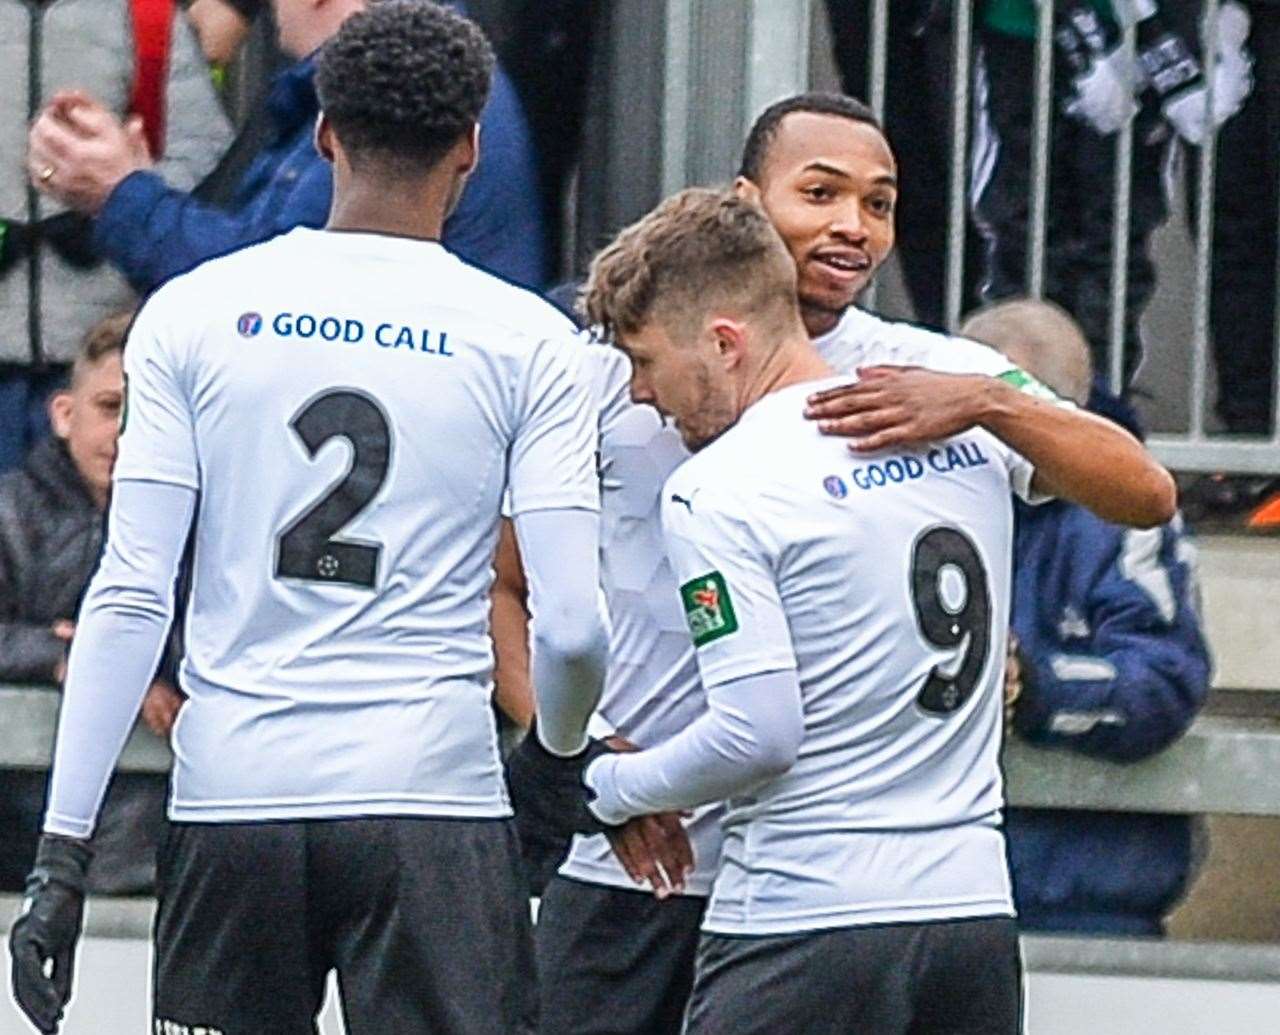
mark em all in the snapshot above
pixel 152 232
pixel 1115 665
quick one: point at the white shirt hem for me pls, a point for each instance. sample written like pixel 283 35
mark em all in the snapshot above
pixel 251 811
pixel 614 876
pixel 801 922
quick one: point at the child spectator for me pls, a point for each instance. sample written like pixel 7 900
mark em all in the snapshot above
pixel 52 516
pixel 1113 664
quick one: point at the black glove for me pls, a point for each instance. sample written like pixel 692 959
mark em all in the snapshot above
pixel 547 791
pixel 48 929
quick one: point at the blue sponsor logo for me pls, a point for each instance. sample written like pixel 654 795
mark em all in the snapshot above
pixel 249 324
pixel 835 487
pixel 888 472
pixel 353 332
pixel 958 456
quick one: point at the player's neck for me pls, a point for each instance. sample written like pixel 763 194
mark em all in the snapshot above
pixel 379 208
pixel 819 321
pixel 793 362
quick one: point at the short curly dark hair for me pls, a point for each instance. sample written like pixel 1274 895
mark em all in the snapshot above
pixel 765 128
pixel 402 81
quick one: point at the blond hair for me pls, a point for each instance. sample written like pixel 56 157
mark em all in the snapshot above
pixel 699 248
pixel 1040 337
pixel 104 338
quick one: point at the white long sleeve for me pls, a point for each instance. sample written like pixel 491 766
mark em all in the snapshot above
pixel 119 637
pixel 561 553
pixel 750 732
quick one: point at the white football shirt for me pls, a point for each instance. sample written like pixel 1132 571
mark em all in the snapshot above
pixel 350 408
pixel 652 690
pixel 863 339
pixel 884 581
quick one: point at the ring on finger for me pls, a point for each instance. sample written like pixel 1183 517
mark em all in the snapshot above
pixel 46 174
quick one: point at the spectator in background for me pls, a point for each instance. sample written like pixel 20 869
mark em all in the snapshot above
pixel 52 517
pixel 222 27
pixel 152 231
pixel 1096 92
pixel 548 47
pixel 919 98
pixel 1242 306
pixel 1113 664
pixel 140 58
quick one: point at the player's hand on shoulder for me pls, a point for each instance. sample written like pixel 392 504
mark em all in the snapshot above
pixel 42 942
pixel 899 406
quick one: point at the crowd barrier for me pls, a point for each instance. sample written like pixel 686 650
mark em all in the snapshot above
pixel 679 82
pixel 1224 764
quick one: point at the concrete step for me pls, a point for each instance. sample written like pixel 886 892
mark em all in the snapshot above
pixel 1240 587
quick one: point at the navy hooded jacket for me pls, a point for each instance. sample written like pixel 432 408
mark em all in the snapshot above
pixel 1115 665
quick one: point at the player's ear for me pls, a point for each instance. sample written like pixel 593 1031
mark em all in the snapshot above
pixel 746 189
pixel 469 150
pixel 326 142
pixel 60 406
pixel 731 340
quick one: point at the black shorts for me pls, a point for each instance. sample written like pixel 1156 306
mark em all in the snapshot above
pixel 942 978
pixel 425 921
pixel 612 961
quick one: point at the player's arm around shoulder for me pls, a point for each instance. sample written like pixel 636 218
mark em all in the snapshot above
pixel 1076 455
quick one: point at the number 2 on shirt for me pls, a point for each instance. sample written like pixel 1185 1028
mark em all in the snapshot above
pixel 309 548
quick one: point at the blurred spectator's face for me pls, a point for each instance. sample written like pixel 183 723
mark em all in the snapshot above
pixel 830 187
pixel 294 25
pixel 87 417
pixel 289 15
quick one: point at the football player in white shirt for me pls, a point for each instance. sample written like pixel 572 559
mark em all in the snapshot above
pixel 611 958
pixel 340 413
pixel 849 616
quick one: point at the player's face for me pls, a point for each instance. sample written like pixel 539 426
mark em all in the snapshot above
pixel 87 418
pixel 685 381
pixel 829 187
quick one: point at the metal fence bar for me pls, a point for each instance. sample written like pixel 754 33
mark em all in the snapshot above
pixel 1150 958
pixel 877 68
pixel 877 75
pixel 1215 454
pixel 1041 128
pixel 1123 193
pixel 1204 235
pixel 961 66
pixel 675 96
pixel 778 52
pixel 1275 345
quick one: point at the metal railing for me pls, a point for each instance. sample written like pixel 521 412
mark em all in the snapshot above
pixel 1222 765
pixel 720 63
pixel 1196 447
